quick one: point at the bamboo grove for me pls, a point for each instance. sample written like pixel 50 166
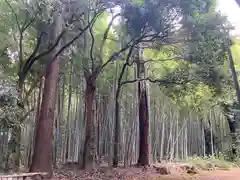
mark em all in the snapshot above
pixel 115 82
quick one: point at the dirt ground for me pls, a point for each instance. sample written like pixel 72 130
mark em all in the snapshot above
pixel 105 173
pixel 233 174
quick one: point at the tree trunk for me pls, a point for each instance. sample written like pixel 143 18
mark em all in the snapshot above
pixel 234 74
pixel 143 158
pixel 90 146
pixel 68 127
pixel 232 127
pixel 117 130
pixel 42 156
pixel 232 123
pixel 143 127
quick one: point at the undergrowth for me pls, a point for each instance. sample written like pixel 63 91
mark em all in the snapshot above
pixel 211 162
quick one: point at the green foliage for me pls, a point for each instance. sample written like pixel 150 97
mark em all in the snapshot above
pixel 9 106
pixel 212 162
pixel 160 16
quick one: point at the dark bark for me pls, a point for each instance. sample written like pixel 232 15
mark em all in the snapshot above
pixel 42 160
pixel 234 74
pixel 117 131
pixel 90 145
pixel 98 126
pixel 232 123
pixel 42 156
pixel 39 101
pixel 117 108
pixel 143 158
pixel 232 126
pixel 208 142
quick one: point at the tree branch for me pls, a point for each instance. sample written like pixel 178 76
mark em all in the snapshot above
pixel 26 25
pixel 31 60
pixel 75 38
pixel 92 45
pixel 105 36
pixel 163 60
pixel 119 52
pixel 124 67
pixel 21 31
pixel 37 45
pixel 160 81
pixel 70 42
pixel 131 43
pixel 14 13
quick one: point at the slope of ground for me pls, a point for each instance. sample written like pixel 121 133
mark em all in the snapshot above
pixel 105 173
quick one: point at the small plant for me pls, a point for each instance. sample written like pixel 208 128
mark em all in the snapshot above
pixel 211 162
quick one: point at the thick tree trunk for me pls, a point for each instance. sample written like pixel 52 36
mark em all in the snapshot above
pixel 143 128
pixel 90 145
pixel 143 158
pixel 42 156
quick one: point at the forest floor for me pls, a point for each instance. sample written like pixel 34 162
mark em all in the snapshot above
pixel 152 173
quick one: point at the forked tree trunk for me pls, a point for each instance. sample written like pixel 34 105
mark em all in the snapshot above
pixel 90 145
pixel 42 156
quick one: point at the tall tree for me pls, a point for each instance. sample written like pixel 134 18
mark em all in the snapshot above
pixel 162 34
pixel 143 158
pixel 42 156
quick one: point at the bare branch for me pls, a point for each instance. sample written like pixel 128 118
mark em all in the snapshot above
pixel 31 61
pixel 161 60
pixel 92 44
pixel 159 81
pixel 21 31
pixel 20 50
pixel 70 42
pixel 14 13
pixel 37 45
pixel 75 37
pixel 105 36
pixel 119 52
pixel 26 25
pixel 124 67
pixel 131 43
